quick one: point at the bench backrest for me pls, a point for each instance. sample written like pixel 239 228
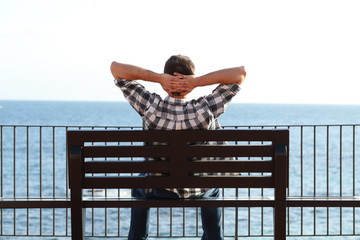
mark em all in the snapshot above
pixel 122 152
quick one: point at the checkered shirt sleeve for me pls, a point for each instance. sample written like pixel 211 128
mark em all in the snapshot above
pixel 136 94
pixel 221 97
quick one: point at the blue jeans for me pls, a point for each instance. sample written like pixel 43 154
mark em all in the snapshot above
pixel 139 225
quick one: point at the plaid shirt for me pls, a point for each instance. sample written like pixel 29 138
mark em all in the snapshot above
pixel 178 114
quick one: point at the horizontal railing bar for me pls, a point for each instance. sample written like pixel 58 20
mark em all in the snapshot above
pixel 323 235
pixel 292 125
pixel 291 202
pixel 319 201
pixel 34 235
pixel 227 126
pixel 187 236
pixel 73 126
pixel 35 203
pixel 191 167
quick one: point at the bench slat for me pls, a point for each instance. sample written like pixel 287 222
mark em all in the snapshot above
pixel 108 182
pixel 80 136
pixel 162 151
pixel 208 202
pixel 190 167
pixel 125 151
pixel 230 151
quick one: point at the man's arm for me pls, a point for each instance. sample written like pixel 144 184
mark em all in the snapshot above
pixel 132 72
pixel 186 83
pixel 224 76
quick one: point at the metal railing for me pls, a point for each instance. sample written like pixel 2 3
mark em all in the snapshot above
pixel 324 161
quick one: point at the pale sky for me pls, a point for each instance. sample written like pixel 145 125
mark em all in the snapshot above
pixel 294 51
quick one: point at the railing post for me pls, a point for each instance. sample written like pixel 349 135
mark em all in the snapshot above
pixel 280 179
pixel 77 211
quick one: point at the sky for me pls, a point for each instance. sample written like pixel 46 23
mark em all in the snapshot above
pixel 294 51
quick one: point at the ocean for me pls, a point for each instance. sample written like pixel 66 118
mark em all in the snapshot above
pixel 315 131
pixel 67 113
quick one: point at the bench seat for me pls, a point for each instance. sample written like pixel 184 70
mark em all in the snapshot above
pixel 96 202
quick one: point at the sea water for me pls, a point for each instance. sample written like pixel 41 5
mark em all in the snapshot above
pixel 120 114
pixel 67 113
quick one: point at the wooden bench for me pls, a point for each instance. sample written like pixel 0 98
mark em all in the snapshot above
pixel 266 153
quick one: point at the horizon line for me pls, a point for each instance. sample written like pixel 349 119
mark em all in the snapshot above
pixel 124 101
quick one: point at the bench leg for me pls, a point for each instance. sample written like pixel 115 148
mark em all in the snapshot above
pixel 77 211
pixel 280 178
pixel 78 218
pixel 280 222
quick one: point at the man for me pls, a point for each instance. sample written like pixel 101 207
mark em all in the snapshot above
pixel 176 113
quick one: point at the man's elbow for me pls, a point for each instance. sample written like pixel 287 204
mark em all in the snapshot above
pixel 241 75
pixel 113 69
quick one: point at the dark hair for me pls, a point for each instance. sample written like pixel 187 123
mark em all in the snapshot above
pixel 180 64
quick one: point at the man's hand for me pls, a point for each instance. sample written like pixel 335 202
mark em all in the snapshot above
pixel 183 84
pixel 165 80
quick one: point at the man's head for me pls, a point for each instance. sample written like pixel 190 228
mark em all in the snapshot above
pixel 180 64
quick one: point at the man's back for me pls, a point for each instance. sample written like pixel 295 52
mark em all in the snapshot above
pixel 174 113
pixel 178 114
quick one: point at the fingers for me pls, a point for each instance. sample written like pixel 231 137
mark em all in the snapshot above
pixel 178 86
pixel 180 76
pixel 175 82
pixel 180 83
pixel 178 89
pixel 184 93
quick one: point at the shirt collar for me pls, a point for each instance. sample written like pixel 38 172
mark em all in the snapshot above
pixel 173 100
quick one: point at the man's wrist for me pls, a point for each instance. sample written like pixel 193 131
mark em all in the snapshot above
pixel 200 81
pixel 150 76
pixel 195 82
pixel 160 78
